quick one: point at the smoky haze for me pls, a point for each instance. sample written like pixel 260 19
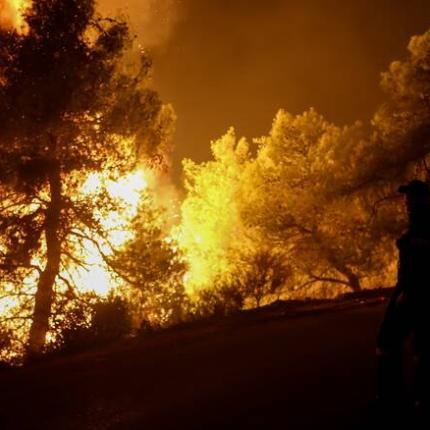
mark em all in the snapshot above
pixel 236 62
pixel 153 21
pixel 223 62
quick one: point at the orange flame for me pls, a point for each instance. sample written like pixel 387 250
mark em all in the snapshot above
pixel 128 190
pixel 12 14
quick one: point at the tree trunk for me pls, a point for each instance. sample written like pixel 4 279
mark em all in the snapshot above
pixel 45 288
pixel 353 280
pixel 340 266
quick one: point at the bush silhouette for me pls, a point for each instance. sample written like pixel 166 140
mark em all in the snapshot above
pixel 101 323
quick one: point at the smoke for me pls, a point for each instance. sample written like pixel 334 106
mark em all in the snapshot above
pixel 153 21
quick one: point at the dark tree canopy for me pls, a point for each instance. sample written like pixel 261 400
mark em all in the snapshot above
pixel 64 84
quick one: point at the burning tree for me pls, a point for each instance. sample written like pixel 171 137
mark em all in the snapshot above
pixel 304 215
pixel 152 267
pixel 396 143
pixel 323 193
pixel 74 100
pixel 211 231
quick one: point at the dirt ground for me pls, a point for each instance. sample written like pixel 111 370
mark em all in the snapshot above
pixel 310 371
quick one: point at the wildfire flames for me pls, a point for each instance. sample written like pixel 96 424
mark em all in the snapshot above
pixel 258 222
pixel 12 14
pixel 94 275
pixel 127 191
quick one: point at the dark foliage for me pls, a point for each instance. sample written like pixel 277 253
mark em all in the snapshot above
pixel 222 300
pixel 89 325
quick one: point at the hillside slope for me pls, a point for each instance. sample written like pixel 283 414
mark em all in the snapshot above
pixel 268 371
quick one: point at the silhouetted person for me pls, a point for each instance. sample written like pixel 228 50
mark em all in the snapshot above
pixel 408 312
